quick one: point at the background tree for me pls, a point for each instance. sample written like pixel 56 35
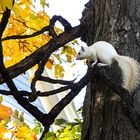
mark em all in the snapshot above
pixel 113 21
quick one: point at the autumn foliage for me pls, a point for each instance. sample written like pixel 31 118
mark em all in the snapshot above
pixel 12 125
pixel 23 21
pixel 26 20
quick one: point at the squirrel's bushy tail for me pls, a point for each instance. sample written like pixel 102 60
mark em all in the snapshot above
pixel 130 71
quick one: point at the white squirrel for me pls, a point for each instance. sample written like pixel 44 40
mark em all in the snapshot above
pixel 106 54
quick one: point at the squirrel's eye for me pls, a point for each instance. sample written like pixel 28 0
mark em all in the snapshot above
pixel 79 53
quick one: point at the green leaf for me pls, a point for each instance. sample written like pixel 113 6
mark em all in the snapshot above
pixel 38 129
pixel 21 118
pixel 16 113
pixel 57 56
pixel 44 3
pixel 60 121
pixel 50 136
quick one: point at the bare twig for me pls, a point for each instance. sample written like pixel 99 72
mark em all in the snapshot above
pixel 54 81
pixel 38 73
pixel 56 91
pixel 24 23
pixel 45 58
pixel 38 93
pixel 64 22
pixel 19 93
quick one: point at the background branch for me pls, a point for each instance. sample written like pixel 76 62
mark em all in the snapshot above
pixel 35 57
pixel 20 93
pixel 76 88
pixel 45 58
pixel 38 93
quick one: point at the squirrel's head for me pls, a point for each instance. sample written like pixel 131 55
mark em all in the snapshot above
pixel 82 54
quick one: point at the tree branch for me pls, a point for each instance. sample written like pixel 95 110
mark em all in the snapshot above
pixel 35 57
pixel 76 88
pixel 38 73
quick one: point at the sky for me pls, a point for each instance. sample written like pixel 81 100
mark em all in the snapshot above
pixel 69 9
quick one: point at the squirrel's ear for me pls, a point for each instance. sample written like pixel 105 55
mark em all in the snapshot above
pixel 82 48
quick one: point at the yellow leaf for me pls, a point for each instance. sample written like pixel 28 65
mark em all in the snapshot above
pixel 69 51
pixel 21 131
pixel 26 1
pixel 69 58
pixel 5 112
pixel 6 4
pixel 59 71
pixel 2 131
pixel 49 64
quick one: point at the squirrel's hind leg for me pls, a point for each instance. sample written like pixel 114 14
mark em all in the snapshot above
pixel 102 64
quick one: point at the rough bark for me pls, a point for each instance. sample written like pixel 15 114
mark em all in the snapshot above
pixel 118 22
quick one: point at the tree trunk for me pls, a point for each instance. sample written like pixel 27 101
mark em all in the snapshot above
pixel 118 22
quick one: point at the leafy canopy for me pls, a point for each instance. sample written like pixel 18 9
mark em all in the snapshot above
pixel 26 20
